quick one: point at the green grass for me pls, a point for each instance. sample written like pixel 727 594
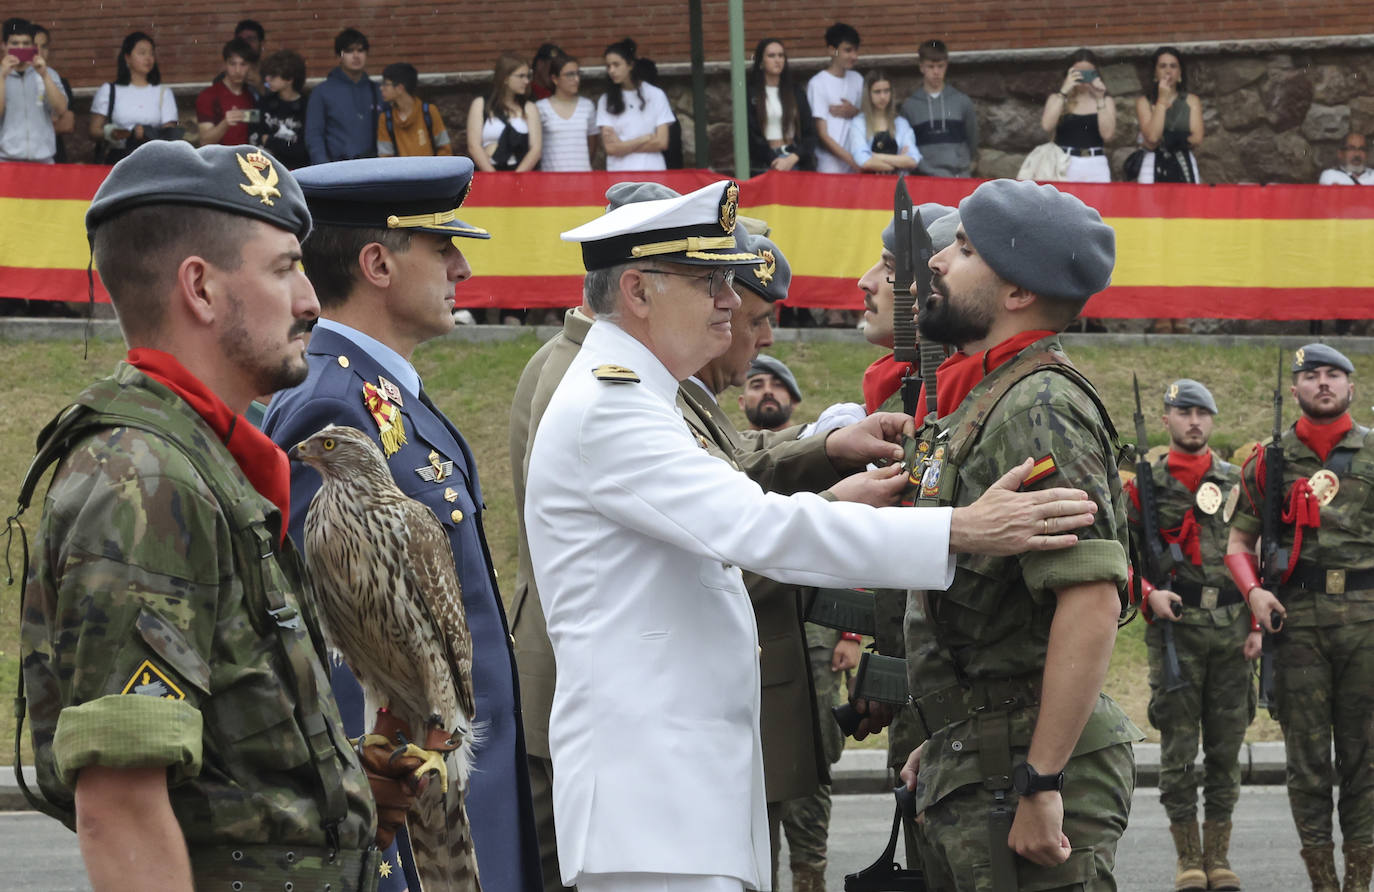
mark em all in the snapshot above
pixel 474 384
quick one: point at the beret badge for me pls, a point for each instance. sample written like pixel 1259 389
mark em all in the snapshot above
pixel 1173 391
pixel 261 186
pixel 766 270
pixel 1301 355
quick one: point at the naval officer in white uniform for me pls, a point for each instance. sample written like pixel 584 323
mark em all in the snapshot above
pixel 637 535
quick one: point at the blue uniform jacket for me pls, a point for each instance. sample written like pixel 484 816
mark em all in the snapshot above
pixel 498 801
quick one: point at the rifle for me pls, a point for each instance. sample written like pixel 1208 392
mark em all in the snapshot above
pixel 880 679
pixel 1273 559
pixel 912 265
pixel 845 609
pixel 1152 555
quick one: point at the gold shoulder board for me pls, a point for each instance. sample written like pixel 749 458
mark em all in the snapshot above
pixel 615 373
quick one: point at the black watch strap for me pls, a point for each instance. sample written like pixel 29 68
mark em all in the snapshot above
pixel 1026 781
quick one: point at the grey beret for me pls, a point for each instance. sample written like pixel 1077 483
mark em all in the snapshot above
pixel 770 279
pixel 764 364
pixel 236 179
pixel 1040 239
pixel 1185 393
pixel 930 212
pixel 1313 355
pixel 629 193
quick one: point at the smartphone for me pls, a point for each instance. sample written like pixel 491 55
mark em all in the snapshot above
pixel 252 115
pixel 1089 75
pixel 24 53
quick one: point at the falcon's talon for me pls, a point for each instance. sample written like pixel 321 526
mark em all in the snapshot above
pixel 432 762
pixel 367 740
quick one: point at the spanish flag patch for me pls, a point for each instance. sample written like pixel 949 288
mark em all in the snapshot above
pixel 1042 468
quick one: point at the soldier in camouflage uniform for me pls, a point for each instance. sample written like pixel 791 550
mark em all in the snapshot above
pixel 1210 635
pixel 1324 664
pixel 171 650
pixel 1026 777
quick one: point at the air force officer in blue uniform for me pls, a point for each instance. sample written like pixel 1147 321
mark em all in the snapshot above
pixel 384 261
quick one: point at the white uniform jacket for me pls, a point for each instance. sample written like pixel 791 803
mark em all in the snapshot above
pixel 637 536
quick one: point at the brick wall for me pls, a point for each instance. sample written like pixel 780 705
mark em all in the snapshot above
pixel 449 36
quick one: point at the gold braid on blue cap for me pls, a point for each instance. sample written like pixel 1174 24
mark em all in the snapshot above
pixel 439 219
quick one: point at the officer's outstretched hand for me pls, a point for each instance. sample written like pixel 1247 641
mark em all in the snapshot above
pixel 879 487
pixel 1037 831
pixel 877 437
pixel 1005 521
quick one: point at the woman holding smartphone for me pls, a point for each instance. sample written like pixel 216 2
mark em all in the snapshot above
pixel 135 107
pixel 1082 118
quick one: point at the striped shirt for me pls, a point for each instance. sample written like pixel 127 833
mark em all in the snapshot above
pixel 565 139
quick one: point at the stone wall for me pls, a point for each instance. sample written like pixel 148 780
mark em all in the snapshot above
pixel 1271 115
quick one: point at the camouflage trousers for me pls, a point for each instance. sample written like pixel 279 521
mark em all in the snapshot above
pixel 1324 684
pixel 1097 802
pixel 806 821
pixel 1217 706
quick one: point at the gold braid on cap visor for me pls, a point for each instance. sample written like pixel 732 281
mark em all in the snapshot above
pixel 440 219
pixel 695 247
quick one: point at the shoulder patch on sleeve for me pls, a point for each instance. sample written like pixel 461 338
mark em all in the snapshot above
pixel 616 374
pixel 1042 468
pixel 151 681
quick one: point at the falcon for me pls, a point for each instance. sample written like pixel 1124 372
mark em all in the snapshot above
pixel 383 574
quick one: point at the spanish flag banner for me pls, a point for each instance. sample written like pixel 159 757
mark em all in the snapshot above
pixel 1237 252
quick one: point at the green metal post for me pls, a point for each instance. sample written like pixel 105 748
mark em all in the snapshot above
pixel 700 111
pixel 738 98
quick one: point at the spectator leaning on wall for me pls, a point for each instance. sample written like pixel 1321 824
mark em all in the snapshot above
pixel 32 97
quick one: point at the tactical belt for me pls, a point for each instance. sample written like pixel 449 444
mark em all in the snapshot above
pixel 1205 596
pixel 1309 578
pixel 301 868
pixel 957 703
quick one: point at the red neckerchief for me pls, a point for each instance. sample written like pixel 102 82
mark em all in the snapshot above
pixel 881 380
pixel 1322 438
pixel 262 461
pixel 959 374
pixel 1189 469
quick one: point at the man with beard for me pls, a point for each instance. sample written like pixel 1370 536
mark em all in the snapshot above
pixel 1212 634
pixel 1026 775
pixel 1324 664
pixel 176 725
pixel 384 261
pixel 770 394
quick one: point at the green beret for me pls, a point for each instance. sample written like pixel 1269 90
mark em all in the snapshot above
pixel 240 180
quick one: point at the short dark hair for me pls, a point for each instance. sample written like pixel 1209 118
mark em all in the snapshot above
pixel 1084 55
pixel 287 65
pixel 839 33
pixel 16 26
pixel 138 252
pixel 932 51
pixel 330 257
pixel 241 48
pixel 349 37
pixel 251 25
pixel 402 74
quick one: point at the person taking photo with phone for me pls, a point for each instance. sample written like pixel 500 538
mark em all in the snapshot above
pixel 32 97
pixel 1082 117
pixel 226 108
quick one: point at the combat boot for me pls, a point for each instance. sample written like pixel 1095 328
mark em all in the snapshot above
pixel 1359 864
pixel 1321 867
pixel 1189 876
pixel 1216 841
pixel 808 878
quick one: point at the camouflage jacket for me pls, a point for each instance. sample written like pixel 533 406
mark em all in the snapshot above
pixel 1175 501
pixel 1345 539
pixel 146 639
pixel 992 625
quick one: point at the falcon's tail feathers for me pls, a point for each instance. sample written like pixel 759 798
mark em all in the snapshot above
pixel 442 838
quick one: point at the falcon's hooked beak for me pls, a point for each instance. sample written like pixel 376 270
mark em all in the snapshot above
pixel 302 451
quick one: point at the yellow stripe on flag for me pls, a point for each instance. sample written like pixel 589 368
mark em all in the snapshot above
pixel 51 236
pixel 524 240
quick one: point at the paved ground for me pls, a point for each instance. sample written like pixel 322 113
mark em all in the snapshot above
pixel 40 854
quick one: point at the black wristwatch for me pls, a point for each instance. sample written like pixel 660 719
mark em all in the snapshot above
pixel 1026 781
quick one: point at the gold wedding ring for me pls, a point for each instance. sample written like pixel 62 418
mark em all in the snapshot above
pixel 1047 526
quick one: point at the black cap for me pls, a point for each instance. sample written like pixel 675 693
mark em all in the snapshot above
pixel 418 194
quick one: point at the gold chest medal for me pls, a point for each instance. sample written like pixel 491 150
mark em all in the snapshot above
pixel 1325 484
pixel 930 478
pixel 1209 497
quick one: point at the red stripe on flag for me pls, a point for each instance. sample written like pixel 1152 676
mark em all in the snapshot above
pixel 75 182
pixel 48 284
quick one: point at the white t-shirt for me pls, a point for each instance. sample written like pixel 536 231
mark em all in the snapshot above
pixel 822 91
pixel 151 106
pixel 492 128
pixel 638 119
pixel 772 107
pixel 565 139
pixel 1334 176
